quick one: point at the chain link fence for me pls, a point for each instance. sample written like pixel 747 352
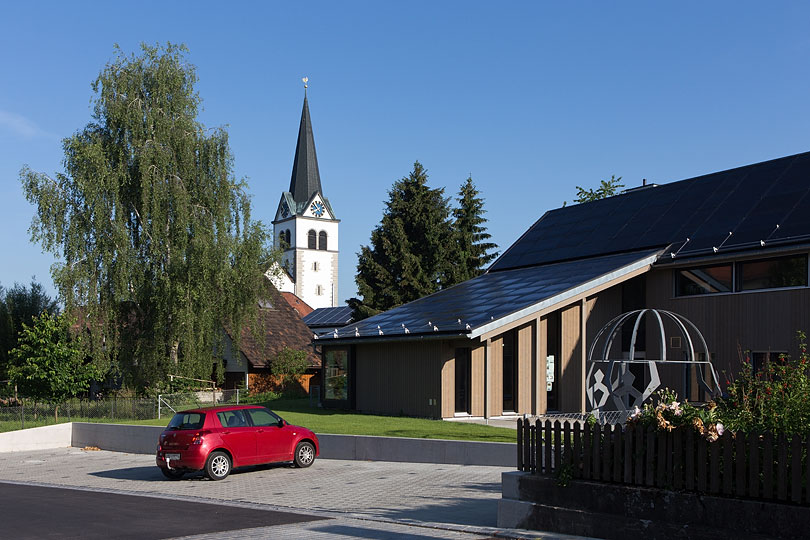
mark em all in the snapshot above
pixel 28 413
pixel 25 413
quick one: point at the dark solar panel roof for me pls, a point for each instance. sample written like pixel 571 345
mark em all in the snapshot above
pixel 330 317
pixel 490 297
pixel 748 202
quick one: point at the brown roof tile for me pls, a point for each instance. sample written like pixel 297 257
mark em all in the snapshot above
pixel 283 327
pixel 298 305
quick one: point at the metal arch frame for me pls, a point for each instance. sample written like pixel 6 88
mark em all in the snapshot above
pixel 612 385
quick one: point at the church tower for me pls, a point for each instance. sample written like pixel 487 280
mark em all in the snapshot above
pixel 306 229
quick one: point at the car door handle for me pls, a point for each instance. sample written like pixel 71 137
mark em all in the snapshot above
pixel 260 431
pixel 226 432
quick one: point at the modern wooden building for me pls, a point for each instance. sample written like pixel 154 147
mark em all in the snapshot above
pixel 729 251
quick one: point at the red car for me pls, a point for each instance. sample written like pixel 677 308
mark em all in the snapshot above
pixel 218 439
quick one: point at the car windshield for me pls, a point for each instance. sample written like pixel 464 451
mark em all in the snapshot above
pixel 186 420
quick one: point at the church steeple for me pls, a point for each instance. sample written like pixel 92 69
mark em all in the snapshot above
pixel 305 228
pixel 306 180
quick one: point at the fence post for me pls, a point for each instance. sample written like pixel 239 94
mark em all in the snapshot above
pixel 22 413
pixel 520 444
pixel 159 405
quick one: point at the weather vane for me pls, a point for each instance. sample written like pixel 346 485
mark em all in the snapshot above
pixel 306 80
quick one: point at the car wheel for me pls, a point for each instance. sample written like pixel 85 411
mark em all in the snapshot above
pixel 218 465
pixel 304 454
pixel 172 474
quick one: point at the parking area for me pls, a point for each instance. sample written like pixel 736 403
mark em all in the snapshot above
pixel 384 499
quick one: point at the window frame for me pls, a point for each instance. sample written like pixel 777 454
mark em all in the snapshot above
pixel 736 276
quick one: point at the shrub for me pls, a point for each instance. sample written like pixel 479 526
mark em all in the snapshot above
pixel 289 364
pixel 777 398
pixel 668 413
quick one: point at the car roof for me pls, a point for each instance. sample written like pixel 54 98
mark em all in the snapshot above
pixel 219 408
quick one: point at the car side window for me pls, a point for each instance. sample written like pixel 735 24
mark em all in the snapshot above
pixel 232 418
pixel 263 417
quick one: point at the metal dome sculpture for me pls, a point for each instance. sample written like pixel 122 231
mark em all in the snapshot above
pixel 616 382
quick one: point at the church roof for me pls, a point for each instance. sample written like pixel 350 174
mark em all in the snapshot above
pixel 306 180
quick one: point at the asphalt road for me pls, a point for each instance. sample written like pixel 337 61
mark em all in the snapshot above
pixel 37 512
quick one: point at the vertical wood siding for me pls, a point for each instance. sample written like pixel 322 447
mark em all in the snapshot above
pixel 571 375
pixel 400 378
pixel 448 387
pixel 477 376
pixel 525 355
pixel 757 321
pixel 541 403
pixel 495 361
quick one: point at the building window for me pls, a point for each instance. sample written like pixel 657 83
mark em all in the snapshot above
pixel 287 237
pixel 315 266
pixel 704 280
pixel 463 380
pixel 319 290
pixel 322 240
pixel 760 359
pixel 312 238
pixel 772 273
pixel 510 371
pixel 335 374
pixel 282 243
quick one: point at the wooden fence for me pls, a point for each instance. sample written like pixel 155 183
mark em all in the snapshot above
pixel 759 466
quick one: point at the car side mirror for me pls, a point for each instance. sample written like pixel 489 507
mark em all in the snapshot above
pixel 282 423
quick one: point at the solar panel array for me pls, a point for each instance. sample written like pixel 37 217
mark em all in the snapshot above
pixel 331 316
pixel 766 203
pixel 485 298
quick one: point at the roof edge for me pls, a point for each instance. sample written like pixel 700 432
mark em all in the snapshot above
pixel 566 295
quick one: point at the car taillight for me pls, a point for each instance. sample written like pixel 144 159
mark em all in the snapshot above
pixel 197 439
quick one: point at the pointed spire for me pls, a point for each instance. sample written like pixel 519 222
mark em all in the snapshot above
pixel 306 179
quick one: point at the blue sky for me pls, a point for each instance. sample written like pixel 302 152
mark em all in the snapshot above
pixel 532 98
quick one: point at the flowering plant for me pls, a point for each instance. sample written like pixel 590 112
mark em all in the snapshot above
pixel 776 398
pixel 665 413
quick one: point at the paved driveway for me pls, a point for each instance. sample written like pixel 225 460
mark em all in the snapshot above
pixel 386 500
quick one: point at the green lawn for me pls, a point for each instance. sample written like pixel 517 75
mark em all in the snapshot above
pixel 297 411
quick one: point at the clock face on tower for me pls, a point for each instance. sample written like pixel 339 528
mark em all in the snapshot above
pixel 285 211
pixel 317 208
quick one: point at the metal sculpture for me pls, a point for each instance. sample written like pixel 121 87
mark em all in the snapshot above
pixel 616 382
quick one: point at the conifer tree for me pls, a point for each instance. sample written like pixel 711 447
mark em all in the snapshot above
pixel 474 251
pixel 412 249
pixel 153 235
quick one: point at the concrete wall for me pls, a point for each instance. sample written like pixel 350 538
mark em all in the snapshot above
pixel 143 440
pixel 117 437
pixel 38 438
pixel 358 447
pixel 612 511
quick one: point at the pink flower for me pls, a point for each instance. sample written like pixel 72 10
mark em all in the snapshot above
pixel 720 429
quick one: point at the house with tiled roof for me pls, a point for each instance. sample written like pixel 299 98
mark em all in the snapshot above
pixel 728 251
pixel 279 326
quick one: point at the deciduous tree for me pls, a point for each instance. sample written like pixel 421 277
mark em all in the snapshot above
pixel 19 305
pixel 48 363
pixel 154 237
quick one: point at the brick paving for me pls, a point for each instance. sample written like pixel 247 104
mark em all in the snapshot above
pixel 378 500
